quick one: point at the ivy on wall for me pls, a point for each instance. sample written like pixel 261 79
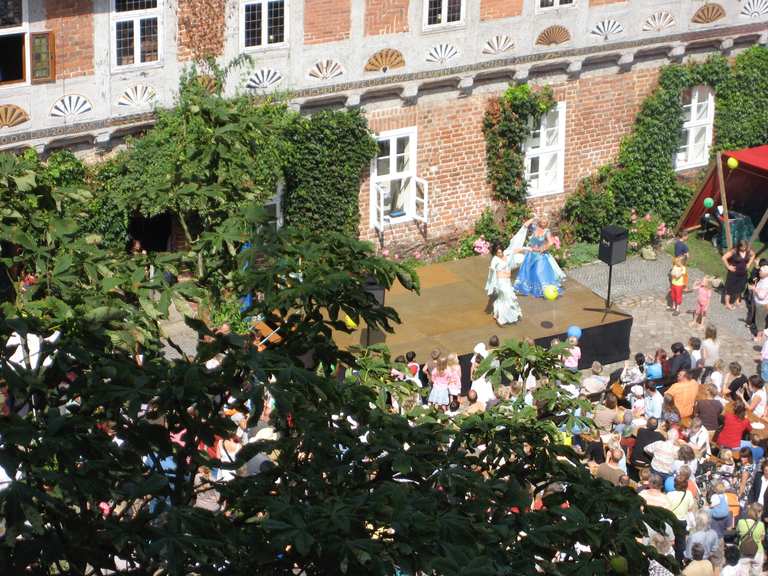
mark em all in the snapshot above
pixel 644 177
pixel 330 151
pixel 741 120
pixel 506 126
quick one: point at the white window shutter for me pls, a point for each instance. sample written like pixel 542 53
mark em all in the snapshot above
pixel 421 200
pixel 379 190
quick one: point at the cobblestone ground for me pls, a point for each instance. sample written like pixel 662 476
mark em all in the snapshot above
pixel 640 288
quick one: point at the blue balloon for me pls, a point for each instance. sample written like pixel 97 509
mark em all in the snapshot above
pixel 574 332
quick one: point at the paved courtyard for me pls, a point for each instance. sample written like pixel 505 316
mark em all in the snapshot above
pixel 640 288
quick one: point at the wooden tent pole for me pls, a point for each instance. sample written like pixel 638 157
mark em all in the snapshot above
pixel 724 200
pixel 759 228
pixel 695 197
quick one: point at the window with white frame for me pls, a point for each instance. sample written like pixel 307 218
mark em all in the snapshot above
pixel 24 56
pixel 545 4
pixel 545 154
pixel 443 13
pixel 136 32
pixel 698 120
pixel 263 23
pixel 397 193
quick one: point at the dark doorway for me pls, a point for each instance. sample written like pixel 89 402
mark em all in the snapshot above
pixel 153 233
pixel 12 59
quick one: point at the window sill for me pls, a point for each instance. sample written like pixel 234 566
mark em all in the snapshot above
pixel 437 28
pixel 545 193
pixel 127 68
pixel 692 166
pixel 283 46
pixel 554 9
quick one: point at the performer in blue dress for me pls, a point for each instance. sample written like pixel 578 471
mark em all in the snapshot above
pixel 539 268
pixel 506 308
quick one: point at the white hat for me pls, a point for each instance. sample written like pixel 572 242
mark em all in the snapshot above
pixel 481 349
pixel 637 390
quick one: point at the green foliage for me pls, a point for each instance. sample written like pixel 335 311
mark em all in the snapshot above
pixel 648 230
pixel 330 151
pixel 62 168
pixel 590 208
pixel 108 215
pixel 506 126
pixel 581 253
pixel 645 177
pixel 742 102
pixel 516 213
pixel 487 227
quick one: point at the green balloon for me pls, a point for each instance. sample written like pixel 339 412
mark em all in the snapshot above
pixel 708 202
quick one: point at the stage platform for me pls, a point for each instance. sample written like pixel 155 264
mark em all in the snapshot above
pixel 452 313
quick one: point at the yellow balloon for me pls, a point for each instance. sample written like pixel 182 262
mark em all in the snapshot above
pixel 551 292
pixel 351 324
pixel 733 163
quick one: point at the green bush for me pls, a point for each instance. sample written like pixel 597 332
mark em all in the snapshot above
pixel 644 231
pixel 331 151
pixel 514 216
pixel 589 209
pixel 108 216
pixel 487 227
pixel 581 253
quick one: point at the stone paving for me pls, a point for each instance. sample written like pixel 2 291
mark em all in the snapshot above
pixel 640 287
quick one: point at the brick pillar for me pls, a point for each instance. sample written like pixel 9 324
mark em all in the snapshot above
pixel 201 28
pixel 493 9
pixel 327 20
pixel 71 21
pixel 386 17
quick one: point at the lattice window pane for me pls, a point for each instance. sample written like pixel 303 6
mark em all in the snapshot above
pixel 124 43
pixel 454 10
pixel 42 57
pixel 382 160
pixel 276 22
pixel 565 2
pixel 546 3
pixel 131 5
pixel 253 23
pixel 434 12
pixel 149 43
pixel 11 13
pixel 403 153
pixel 548 173
pixel 698 146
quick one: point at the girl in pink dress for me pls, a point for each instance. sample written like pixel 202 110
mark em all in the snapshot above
pixel 703 296
pixel 440 378
pixel 454 377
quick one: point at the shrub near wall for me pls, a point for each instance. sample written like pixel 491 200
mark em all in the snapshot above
pixel 330 151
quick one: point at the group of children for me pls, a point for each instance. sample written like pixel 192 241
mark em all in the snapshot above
pixel 678 283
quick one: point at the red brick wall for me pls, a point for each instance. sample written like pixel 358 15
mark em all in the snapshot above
pixel 491 9
pixel 71 21
pixel 451 150
pixel 386 17
pixel 201 28
pixel 601 2
pixel 326 20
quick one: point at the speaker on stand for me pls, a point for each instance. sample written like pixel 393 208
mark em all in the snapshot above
pixel 612 250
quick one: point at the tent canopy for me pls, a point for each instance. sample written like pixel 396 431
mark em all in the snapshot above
pixel 746 187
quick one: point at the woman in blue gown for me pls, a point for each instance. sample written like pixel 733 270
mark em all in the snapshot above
pixel 539 268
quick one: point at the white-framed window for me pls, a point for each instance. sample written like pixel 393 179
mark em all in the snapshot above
pixel 544 5
pixel 24 57
pixel 14 43
pixel 545 154
pixel 698 121
pixel 263 23
pixel 397 193
pixel 137 27
pixel 439 13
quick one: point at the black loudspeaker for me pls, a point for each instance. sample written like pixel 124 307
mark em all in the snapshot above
pixel 613 245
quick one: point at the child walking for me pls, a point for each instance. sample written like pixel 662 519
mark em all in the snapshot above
pixel 677 281
pixel 703 289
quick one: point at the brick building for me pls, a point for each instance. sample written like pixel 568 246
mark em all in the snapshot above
pixel 86 72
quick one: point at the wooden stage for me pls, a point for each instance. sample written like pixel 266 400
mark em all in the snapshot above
pixel 452 314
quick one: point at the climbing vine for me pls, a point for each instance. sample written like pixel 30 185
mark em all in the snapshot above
pixel 506 126
pixel 741 120
pixel 330 151
pixel 644 177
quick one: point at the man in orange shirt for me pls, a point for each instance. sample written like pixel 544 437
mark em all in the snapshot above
pixel 684 393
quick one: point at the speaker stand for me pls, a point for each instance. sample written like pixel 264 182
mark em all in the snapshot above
pixel 608 310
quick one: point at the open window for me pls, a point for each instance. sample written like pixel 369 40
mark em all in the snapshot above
pixel 545 154
pixel 698 122
pixel 397 193
pixel 24 57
